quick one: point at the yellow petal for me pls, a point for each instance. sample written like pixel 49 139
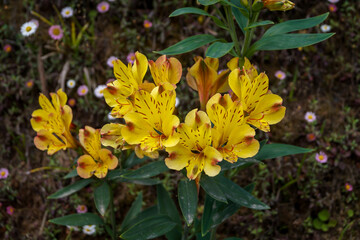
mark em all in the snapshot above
pixel 124 76
pixel 111 135
pixel 171 141
pixel 62 97
pixel 211 158
pixel 47 141
pixel 108 159
pixel 212 62
pixel 179 157
pixel 45 104
pixel 196 118
pixel 191 81
pixel 196 166
pixel 175 70
pixel 90 140
pixel 169 125
pixel 101 170
pixel 233 63
pixel 66 116
pixel 234 82
pixel 39 120
pixel 86 166
pixel 242 143
pixel 276 116
pixel 136 128
pixel 140 67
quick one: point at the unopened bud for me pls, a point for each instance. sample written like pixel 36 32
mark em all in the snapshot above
pixel 278 5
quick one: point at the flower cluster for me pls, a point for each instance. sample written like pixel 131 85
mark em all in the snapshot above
pixel 221 130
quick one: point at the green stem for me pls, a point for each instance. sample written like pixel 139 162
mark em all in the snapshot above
pixel 213 234
pixel 249 33
pixel 231 25
pixel 112 214
pixel 186 232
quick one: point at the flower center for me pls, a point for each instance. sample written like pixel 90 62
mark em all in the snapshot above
pixel 321 157
pixel 310 117
pixel 2 173
pixel 67 12
pixel 28 28
pixel 56 31
pixel 103 7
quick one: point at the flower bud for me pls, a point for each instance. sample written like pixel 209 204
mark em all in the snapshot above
pixel 257 5
pixel 244 2
pixel 278 5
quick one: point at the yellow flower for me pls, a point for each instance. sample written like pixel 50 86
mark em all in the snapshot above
pixel 278 5
pixel 98 160
pixel 52 123
pixel 231 136
pixel 128 80
pixel 152 124
pixel 261 107
pixel 194 150
pixel 204 78
pixel 166 70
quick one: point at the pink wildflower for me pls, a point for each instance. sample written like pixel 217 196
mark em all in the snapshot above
pixel 310 137
pixel 10 210
pixel 332 8
pixel 7 48
pixel 81 209
pixel 56 32
pixel 131 57
pixel 110 61
pixel 147 24
pixel 321 157
pixel 4 173
pixel 82 90
pixel 348 187
pixel 280 75
pixel 103 7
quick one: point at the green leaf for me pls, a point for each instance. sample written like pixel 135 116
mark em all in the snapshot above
pixel 133 160
pixel 275 150
pixel 317 224
pixel 149 170
pixel 225 165
pixel 218 49
pixel 134 210
pixel 73 188
pixel 102 198
pixel 222 211
pixel 240 18
pixel 287 41
pixel 167 207
pixel 332 223
pixel 146 214
pixel 258 24
pixel 238 195
pixel 324 215
pixel 206 219
pixel 188 44
pixel 249 188
pixel 149 228
pixel 117 173
pixel 143 181
pixel 188 199
pixel 350 213
pixel 219 23
pixel 188 10
pixel 71 174
pixel 80 219
pixel 210 187
pixel 295 25
pixel 208 2
pixel 324 227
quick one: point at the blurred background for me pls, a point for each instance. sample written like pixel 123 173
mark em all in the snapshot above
pixel 309 198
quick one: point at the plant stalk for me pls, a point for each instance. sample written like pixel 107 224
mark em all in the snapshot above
pixel 234 37
pixel 185 233
pixel 112 214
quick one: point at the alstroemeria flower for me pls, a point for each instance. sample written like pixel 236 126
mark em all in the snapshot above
pixel 128 80
pixel 165 70
pixel 52 123
pixel 152 124
pixel 278 5
pixel 261 107
pixel 194 150
pixel 203 77
pixel 98 160
pixel 232 137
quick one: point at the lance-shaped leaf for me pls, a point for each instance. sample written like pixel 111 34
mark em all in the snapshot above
pixel 80 219
pixel 188 199
pixel 287 41
pixel 72 173
pixel 259 24
pixel 188 44
pixel 208 2
pixel 211 188
pixel 73 188
pixel 149 170
pixel 218 49
pixel 239 195
pixel 149 228
pixel 133 160
pixel 275 150
pixel 134 210
pixel 188 10
pixel 295 25
pixel 102 198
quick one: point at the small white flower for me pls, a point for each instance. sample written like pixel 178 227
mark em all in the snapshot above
pixel 89 229
pixel 110 61
pixel 71 83
pixel 310 117
pixel 280 75
pixel 73 228
pixel 110 117
pixel 67 12
pixel 177 102
pixel 333 1
pixel 99 91
pixel 325 28
pixel 28 28
pixel 111 0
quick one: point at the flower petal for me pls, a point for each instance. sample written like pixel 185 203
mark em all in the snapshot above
pixel 108 159
pixel 90 140
pixel 47 141
pixel 111 135
pixel 86 166
pixel 179 157
pixel 212 157
pixel 140 67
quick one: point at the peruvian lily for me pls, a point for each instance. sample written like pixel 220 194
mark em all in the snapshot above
pixel 152 124
pixel 203 77
pixel 128 80
pixel 98 160
pixel 261 107
pixel 52 123
pixel 166 70
pixel 231 136
pixel 194 150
